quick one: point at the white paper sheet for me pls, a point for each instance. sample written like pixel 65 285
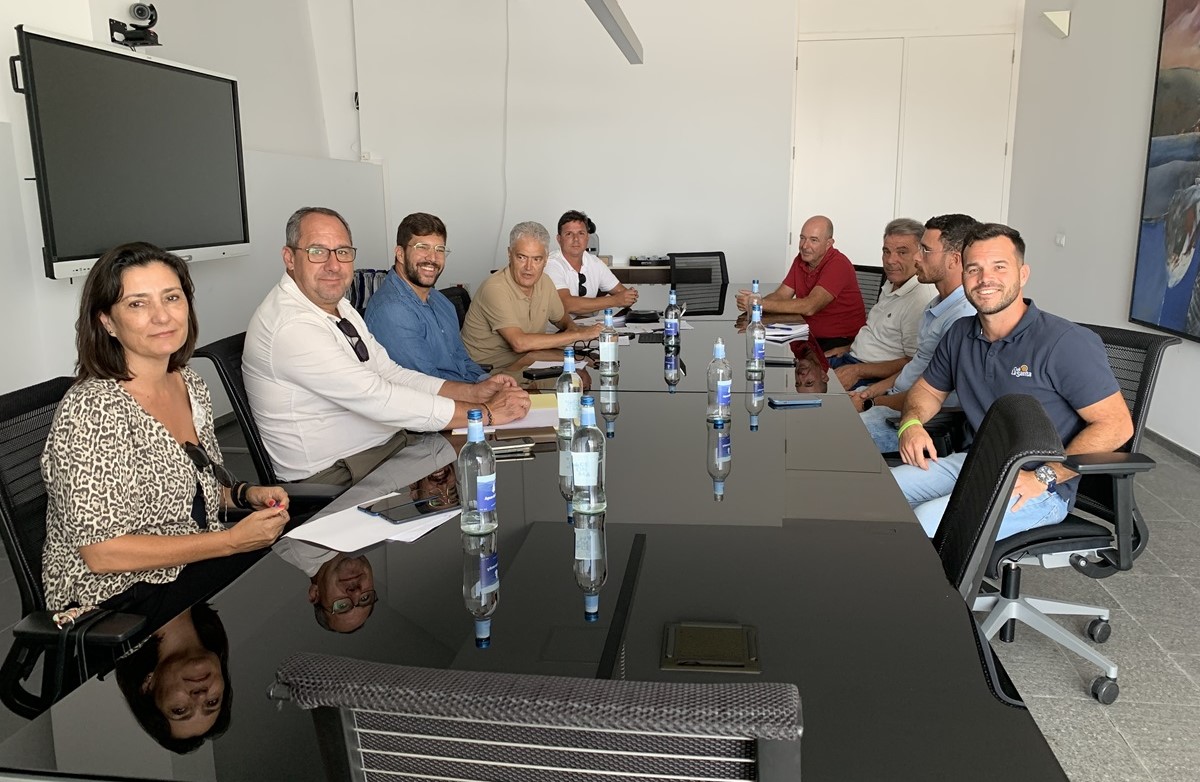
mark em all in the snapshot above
pixel 534 419
pixel 353 530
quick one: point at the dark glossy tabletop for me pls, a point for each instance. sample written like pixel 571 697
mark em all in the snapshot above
pixel 813 545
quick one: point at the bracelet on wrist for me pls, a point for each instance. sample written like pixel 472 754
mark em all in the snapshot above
pixel 488 410
pixel 907 424
pixel 238 495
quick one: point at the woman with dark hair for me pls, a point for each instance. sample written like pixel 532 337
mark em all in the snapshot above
pixel 133 473
pixel 177 683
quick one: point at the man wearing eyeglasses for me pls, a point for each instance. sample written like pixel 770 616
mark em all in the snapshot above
pixel 581 277
pixel 506 325
pixel 414 321
pixel 329 402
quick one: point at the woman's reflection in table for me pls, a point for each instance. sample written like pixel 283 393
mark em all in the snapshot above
pixel 177 683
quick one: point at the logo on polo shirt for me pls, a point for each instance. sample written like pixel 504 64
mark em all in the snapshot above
pixel 1022 371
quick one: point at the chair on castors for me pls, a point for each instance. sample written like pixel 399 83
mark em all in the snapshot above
pixel 1103 535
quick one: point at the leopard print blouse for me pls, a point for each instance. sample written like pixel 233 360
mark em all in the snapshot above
pixel 112 469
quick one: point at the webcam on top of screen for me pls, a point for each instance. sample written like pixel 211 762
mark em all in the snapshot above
pixel 139 32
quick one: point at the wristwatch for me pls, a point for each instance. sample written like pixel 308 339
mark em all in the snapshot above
pixel 868 403
pixel 1046 475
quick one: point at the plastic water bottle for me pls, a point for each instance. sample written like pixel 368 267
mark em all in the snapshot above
pixel 720 384
pixel 566 486
pixel 720 457
pixel 756 400
pixel 481 583
pixel 671 316
pixel 591 561
pixel 672 373
pixel 610 406
pixel 756 345
pixel 477 480
pixel 755 298
pixel 587 464
pixel 567 389
pixel 609 339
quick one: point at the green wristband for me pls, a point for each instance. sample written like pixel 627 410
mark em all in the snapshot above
pixel 906 424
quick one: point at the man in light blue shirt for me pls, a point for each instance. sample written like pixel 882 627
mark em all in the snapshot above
pixel 415 323
pixel 940 263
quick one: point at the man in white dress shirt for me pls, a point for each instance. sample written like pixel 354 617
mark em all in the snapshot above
pixel 329 403
pixel 581 277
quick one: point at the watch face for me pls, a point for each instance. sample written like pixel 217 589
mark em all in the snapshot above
pixel 1045 474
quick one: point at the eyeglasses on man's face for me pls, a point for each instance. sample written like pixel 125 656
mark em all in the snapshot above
pixel 352 336
pixel 344 604
pixel 318 254
pixel 425 247
pixel 202 461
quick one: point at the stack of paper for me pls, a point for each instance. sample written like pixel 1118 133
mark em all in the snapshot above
pixel 786 332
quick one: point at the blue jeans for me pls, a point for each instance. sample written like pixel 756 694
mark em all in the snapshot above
pixel 883 433
pixel 928 492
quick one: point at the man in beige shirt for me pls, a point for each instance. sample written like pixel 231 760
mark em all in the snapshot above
pixel 506 325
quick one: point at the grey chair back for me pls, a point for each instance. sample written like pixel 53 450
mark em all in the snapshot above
pixel 870 283
pixel 1015 433
pixel 461 300
pixel 226 356
pixel 376 721
pixel 701 298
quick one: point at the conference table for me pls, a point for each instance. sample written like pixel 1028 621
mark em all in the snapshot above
pixel 813 546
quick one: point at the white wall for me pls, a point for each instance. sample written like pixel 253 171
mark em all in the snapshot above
pixel 1083 119
pixel 690 151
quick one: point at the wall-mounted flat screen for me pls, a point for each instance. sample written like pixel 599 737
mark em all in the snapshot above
pixel 128 147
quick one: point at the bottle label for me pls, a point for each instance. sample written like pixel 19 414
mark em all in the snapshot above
pixel 585 468
pixel 757 390
pixel 564 464
pixel 608 351
pixel 489 573
pixel 568 405
pixel 760 349
pixel 724 392
pixel 724 448
pixel 587 543
pixel 670 363
pixel 671 327
pixel 485 492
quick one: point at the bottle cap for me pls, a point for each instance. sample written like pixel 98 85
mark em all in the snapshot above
pixel 568 352
pixel 718 490
pixel 610 429
pixel 608 311
pixel 719 424
pixel 474 414
pixel 591 608
pixel 753 423
pixel 587 401
pixel 483 633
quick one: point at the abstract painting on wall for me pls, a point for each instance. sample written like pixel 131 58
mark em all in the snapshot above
pixel 1166 287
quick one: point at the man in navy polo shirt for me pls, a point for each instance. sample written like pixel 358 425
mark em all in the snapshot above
pixel 1010 347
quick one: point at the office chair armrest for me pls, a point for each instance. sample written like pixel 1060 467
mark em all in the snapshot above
pixel 1109 463
pixel 107 628
pixel 311 493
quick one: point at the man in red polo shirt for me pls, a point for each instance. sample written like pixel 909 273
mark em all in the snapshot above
pixel 821 287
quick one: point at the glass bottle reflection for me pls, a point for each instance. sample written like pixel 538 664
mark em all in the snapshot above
pixel 672 367
pixel 720 457
pixel 756 400
pixel 591 561
pixel 566 483
pixel 481 583
pixel 610 406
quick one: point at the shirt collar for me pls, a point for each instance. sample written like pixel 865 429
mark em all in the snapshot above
pixel 1032 313
pixel 908 287
pixel 393 278
pixel 939 305
pixel 290 287
pixel 508 279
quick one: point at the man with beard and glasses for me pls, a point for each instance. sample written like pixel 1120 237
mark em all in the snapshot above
pixel 1010 347
pixel 416 323
pixel 330 404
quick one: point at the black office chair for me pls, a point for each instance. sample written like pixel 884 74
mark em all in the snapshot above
pixel 870 282
pixel 1104 541
pixel 374 718
pixel 363 285
pixel 701 298
pixel 25 419
pixel 226 356
pixel 461 300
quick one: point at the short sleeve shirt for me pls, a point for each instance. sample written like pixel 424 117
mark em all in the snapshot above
pixel 843 316
pixel 500 304
pixel 894 323
pixel 1061 364
pixel 597 276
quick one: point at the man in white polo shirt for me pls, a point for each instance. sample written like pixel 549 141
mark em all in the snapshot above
pixel 581 277
pixel 889 340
